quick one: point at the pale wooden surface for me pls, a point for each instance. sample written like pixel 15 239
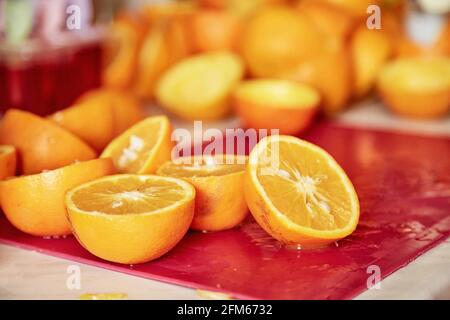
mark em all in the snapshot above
pixel 31 275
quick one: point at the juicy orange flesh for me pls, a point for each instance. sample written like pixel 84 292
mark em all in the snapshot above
pixel 278 93
pixel 136 148
pixel 125 195
pixel 203 166
pixel 305 187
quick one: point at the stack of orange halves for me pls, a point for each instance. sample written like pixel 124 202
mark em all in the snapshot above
pixel 295 190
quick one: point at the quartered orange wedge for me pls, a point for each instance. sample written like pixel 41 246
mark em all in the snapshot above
pixel 298 193
pixel 218 181
pixel 131 218
pixel 143 147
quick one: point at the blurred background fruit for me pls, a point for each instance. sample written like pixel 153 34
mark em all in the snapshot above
pixel 417 87
pixel 370 49
pixel 199 87
pixel 8 161
pixel 278 39
pixel 214 30
pixel 276 104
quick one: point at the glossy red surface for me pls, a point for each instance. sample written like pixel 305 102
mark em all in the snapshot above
pixel 404 187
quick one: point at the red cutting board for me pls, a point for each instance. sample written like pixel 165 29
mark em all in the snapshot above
pixel 403 183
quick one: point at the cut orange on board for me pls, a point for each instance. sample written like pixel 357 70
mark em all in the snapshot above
pixel 92 122
pixel 416 87
pixel 218 180
pixel 131 218
pixel 298 193
pixel 34 204
pixel 276 104
pixel 42 145
pixel 8 158
pixel 143 147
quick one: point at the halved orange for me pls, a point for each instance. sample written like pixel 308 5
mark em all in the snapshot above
pixel 92 122
pixel 199 87
pixel 417 87
pixel 8 158
pixel 42 145
pixel 131 218
pixel 143 147
pixel 276 104
pixel 218 181
pixel 298 193
pixel 34 204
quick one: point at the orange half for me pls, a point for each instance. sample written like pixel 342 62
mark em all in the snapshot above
pixel 298 193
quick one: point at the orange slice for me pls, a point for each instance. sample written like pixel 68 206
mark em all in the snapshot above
pixel 42 145
pixel 276 104
pixel 131 218
pixel 417 87
pixel 34 204
pixel 218 181
pixel 8 158
pixel 143 147
pixel 298 193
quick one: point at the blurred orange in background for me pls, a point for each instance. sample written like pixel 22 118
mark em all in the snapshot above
pixel 214 30
pixel 417 87
pixel 277 39
pixel 276 104
pixel 370 49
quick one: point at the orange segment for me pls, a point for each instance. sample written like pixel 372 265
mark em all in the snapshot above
pixel 8 158
pixel 42 145
pixel 417 87
pixel 129 218
pixel 298 193
pixel 143 147
pixel 276 104
pixel 92 122
pixel 35 204
pixel 218 181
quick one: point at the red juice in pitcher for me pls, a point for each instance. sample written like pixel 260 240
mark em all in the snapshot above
pixel 42 79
